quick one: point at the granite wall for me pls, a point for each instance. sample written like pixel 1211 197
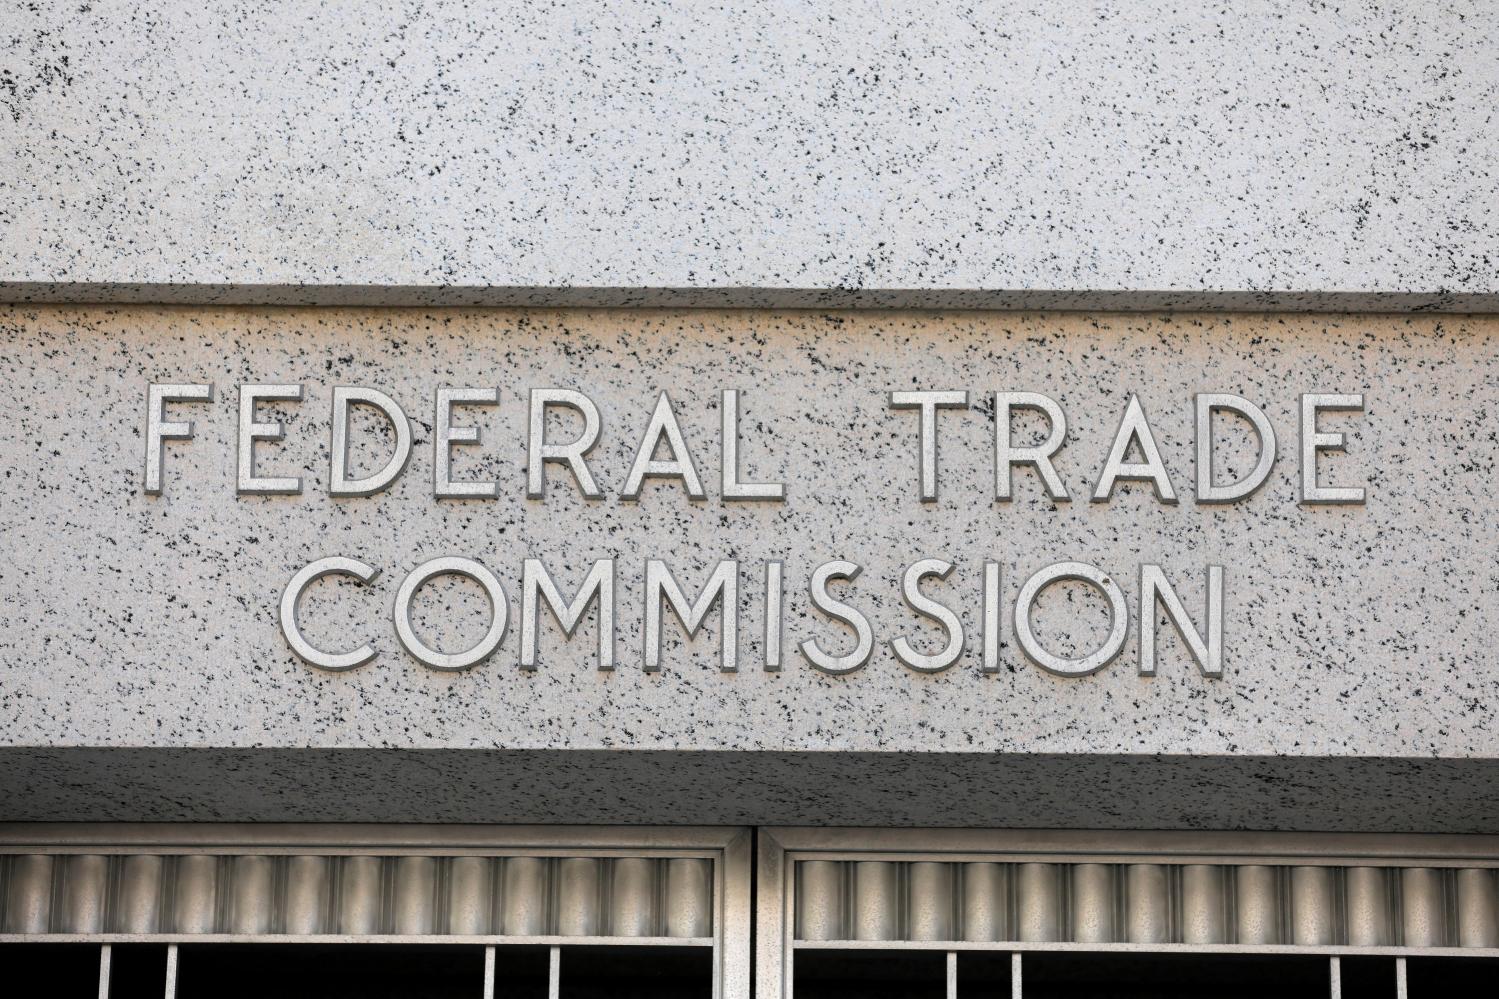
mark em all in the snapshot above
pixel 994 154
pixel 1358 668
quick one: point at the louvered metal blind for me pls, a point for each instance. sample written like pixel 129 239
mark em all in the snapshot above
pixel 914 896
pixel 260 895
pixel 1094 903
pixel 1219 896
pixel 516 887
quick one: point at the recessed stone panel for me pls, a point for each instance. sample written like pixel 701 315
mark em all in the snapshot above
pixel 1354 629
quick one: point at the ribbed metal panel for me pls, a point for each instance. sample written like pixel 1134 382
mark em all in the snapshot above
pixel 1477 908
pixel 929 913
pixel 359 895
pixel 1257 904
pixel 876 900
pixel 819 901
pixel 196 896
pixel 139 909
pixel 85 892
pixel 1093 903
pixel 1038 908
pixel 415 907
pixel 1147 904
pixel 525 909
pixel 578 897
pixel 1306 905
pixel 306 895
pixel 1422 906
pixel 1204 918
pixel 1367 906
pixel 985 900
pixel 470 895
pixel 250 906
pixel 28 903
pixel 632 899
pixel 689 897
pixel 364 895
pixel 1311 906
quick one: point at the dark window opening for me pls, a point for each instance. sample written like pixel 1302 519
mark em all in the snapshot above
pixel 855 974
pixel 51 969
pixel 635 973
pixel 136 971
pixel 1368 977
pixel 349 971
pixel 1174 976
pixel 1430 977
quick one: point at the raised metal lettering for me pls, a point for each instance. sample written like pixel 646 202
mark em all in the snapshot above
pixel 1206 404
pixel 345 396
pixel 250 431
pixel 1313 441
pixel 1007 456
pixel 537 586
pixel 928 402
pixel 680 466
pixel 838 611
pixel 445 435
pixel 1133 426
pixel 290 597
pixel 571 454
pixel 1071 572
pixel 159 429
pixel 924 605
pixel 722 587
pixel 499 612
pixel 732 488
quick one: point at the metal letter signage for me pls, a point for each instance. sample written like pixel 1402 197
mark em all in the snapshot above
pixel 840 636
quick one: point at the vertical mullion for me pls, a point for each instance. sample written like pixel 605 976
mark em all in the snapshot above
pixel 489 972
pixel 1401 989
pixel 1334 978
pixel 171 991
pixel 952 974
pixel 104 956
pixel 1017 990
pixel 554 972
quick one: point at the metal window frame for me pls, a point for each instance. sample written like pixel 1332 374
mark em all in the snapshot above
pixel 780 849
pixel 727 847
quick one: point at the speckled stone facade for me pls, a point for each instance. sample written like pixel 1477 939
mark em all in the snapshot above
pixel 1358 648
pixel 994 154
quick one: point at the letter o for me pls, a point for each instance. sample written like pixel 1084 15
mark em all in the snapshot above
pixel 334 662
pixel 499 611
pixel 1079 572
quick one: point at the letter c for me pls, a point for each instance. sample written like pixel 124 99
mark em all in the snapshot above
pixel 333 565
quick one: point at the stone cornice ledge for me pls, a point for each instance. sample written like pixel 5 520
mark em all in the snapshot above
pixel 1029 299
